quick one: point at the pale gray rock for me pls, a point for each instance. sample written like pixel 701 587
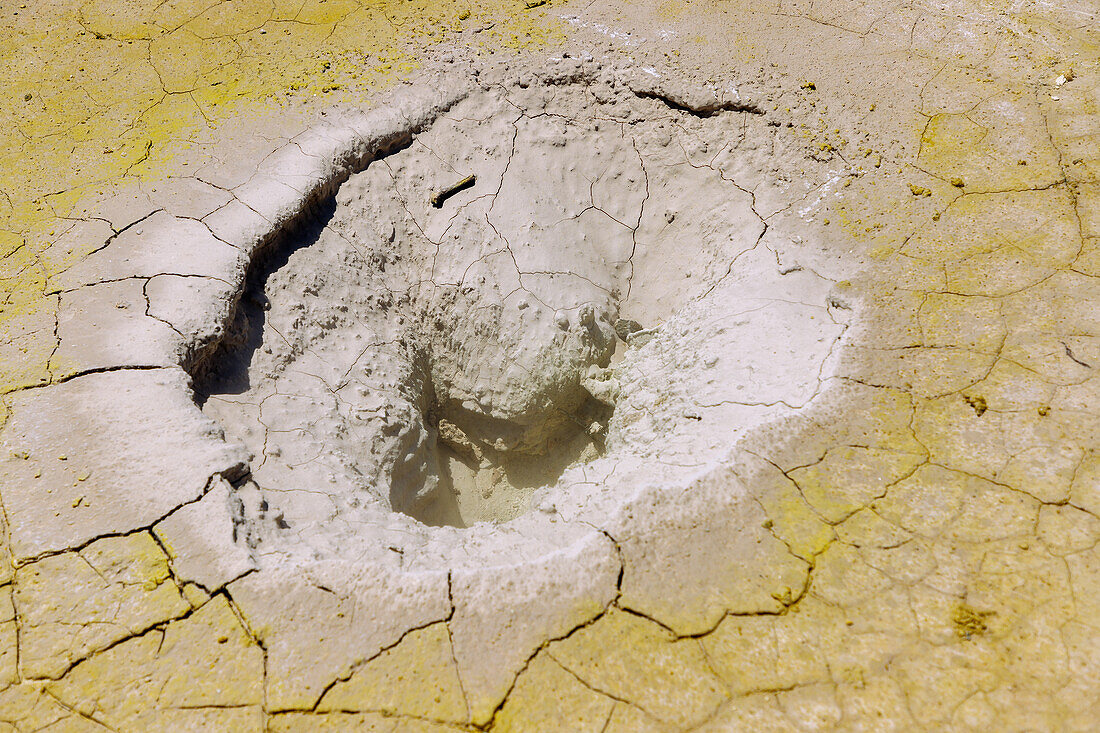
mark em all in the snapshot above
pixel 319 621
pixel 203 541
pixel 197 309
pixel 704 542
pixel 240 224
pixel 158 245
pixel 89 457
pixel 504 613
pixel 188 197
pixel 106 326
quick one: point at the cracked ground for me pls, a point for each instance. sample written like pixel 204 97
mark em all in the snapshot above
pixel 903 540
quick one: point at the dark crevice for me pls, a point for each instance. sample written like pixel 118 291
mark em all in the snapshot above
pixel 224 370
pixel 709 109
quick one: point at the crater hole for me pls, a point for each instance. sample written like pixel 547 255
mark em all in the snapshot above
pixel 434 339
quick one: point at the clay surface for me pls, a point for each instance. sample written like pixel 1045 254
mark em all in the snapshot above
pixel 550 367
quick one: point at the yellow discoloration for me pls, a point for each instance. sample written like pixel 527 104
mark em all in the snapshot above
pixel 946 501
pixel 122 578
pixel 147 680
pixel 417 678
pixel 573 706
pixel 762 653
pixel 969 622
pixel 636 660
pixel 850 478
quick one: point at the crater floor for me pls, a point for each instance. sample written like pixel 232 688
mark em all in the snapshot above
pixel 704 367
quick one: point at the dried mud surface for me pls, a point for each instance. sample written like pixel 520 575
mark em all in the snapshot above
pixel 843 478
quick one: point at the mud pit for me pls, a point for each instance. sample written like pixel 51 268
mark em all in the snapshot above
pixel 511 409
pixel 475 421
pixel 445 357
pixel 792 525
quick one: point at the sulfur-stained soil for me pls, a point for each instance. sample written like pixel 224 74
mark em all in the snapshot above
pixel 550 366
